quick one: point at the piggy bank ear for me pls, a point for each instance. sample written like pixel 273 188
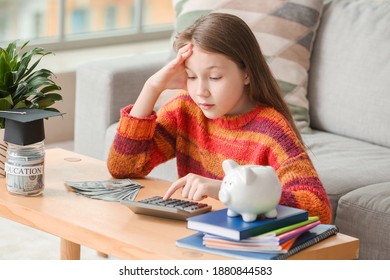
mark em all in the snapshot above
pixel 248 176
pixel 228 165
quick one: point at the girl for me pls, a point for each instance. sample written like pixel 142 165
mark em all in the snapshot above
pixel 230 107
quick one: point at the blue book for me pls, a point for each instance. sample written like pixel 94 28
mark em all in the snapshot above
pixel 219 223
pixel 307 239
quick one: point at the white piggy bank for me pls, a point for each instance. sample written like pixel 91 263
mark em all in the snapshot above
pixel 250 190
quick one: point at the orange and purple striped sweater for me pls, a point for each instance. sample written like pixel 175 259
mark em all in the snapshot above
pixel 180 129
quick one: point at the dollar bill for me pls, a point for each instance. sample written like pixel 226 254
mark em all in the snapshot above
pixel 108 190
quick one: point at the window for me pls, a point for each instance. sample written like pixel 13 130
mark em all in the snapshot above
pixel 79 22
pixel 65 24
pixel 111 15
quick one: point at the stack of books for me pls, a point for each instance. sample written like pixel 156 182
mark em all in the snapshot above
pixel 266 238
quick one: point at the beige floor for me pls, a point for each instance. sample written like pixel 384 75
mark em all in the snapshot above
pixel 19 242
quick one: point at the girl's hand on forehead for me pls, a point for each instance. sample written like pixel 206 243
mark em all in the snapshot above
pixel 172 75
pixel 184 52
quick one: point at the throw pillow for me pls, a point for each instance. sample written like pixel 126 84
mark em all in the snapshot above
pixel 285 30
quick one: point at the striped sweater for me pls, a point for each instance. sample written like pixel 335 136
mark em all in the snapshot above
pixel 180 129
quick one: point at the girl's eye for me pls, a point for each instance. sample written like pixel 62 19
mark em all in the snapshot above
pixel 215 78
pixel 191 78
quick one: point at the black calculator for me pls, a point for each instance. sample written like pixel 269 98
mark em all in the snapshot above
pixel 172 208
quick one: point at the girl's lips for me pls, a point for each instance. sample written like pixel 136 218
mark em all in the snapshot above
pixel 206 106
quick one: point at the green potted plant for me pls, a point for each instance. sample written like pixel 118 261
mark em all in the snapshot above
pixel 22 85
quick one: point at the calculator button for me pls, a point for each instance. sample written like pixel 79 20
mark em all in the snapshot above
pixel 171 208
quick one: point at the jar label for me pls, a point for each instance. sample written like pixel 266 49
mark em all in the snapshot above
pixel 24 170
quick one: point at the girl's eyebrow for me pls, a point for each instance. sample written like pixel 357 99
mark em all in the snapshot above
pixel 208 68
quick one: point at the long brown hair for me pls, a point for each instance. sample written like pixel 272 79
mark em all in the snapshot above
pixel 229 35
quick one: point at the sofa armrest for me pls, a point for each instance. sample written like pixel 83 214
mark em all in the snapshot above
pixel 102 89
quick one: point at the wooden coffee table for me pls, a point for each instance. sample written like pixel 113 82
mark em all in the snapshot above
pixel 110 227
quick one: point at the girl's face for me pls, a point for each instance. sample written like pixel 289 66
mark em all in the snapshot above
pixel 216 84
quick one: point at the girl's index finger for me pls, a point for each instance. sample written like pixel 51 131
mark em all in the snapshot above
pixel 174 187
pixel 185 48
pixel 185 51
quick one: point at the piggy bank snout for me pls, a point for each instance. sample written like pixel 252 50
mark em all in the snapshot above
pixel 224 196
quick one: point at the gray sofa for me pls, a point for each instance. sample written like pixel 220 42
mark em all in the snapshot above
pixel 349 97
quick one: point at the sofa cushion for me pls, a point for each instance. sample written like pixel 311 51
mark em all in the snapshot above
pixel 346 164
pixel 285 30
pixel 349 81
pixel 368 207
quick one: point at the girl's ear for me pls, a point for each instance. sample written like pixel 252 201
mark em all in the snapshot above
pixel 246 79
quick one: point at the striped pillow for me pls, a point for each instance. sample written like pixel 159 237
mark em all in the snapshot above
pixel 285 30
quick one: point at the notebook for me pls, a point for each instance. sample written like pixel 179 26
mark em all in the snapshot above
pixel 307 239
pixel 219 223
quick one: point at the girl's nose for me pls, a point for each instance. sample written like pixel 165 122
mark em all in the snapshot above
pixel 202 90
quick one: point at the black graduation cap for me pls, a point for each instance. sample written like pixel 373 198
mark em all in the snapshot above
pixel 25 126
